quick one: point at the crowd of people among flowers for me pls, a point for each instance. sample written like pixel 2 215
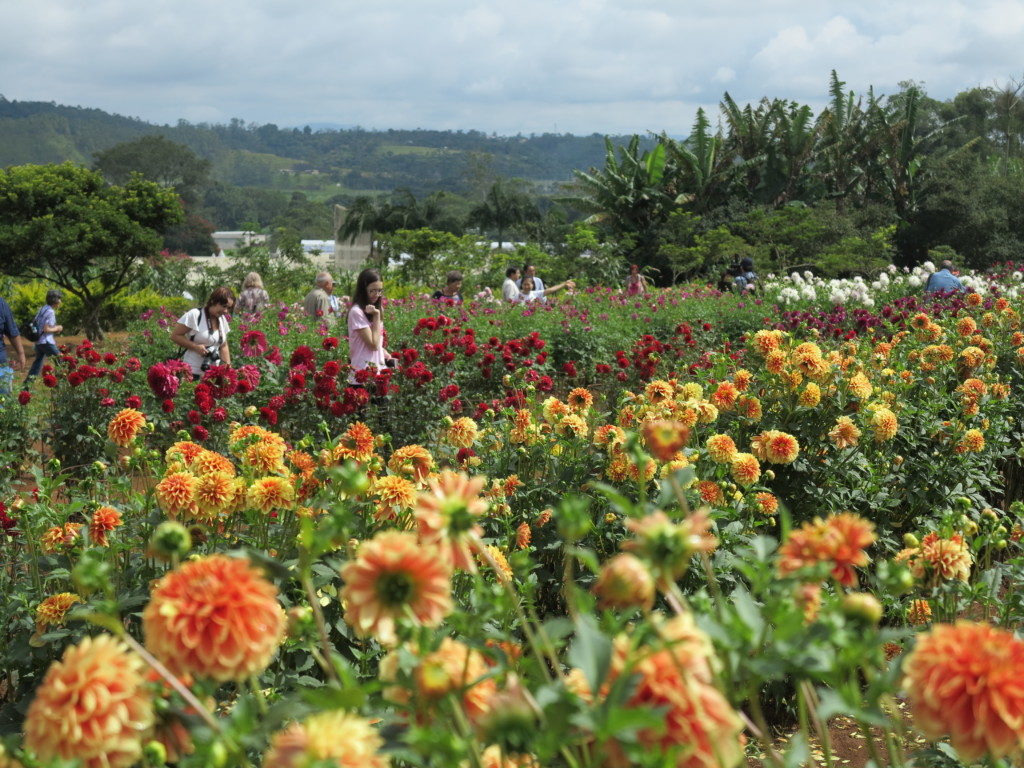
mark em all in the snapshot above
pixel 471 534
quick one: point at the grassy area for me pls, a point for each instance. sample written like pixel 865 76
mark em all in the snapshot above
pixel 406 149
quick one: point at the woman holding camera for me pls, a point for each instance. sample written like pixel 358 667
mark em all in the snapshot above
pixel 203 333
pixel 366 325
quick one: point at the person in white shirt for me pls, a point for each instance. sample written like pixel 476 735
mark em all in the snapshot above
pixel 532 290
pixel 531 271
pixel 203 333
pixel 510 288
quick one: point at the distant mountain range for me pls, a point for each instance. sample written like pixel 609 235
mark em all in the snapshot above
pixel 323 159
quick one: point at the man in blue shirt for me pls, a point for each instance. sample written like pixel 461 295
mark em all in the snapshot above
pixel 9 328
pixel 944 279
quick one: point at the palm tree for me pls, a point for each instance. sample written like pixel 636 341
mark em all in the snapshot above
pixel 365 215
pixel 504 206
pixel 702 167
pixel 843 138
pixel 792 151
pixel 628 196
pixel 749 137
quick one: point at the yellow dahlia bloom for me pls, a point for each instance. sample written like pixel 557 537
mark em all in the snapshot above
pixel 500 563
pixel 973 441
pixel 623 583
pixel 572 425
pixel 810 395
pixel 884 424
pixel 54 609
pixel 206 462
pixel 462 433
pixel 92 706
pixel 270 494
pixel 214 494
pixel 337 738
pixel 721 448
pixel 413 461
pixel 124 427
pixel 184 451
pixel 860 387
pixel 216 617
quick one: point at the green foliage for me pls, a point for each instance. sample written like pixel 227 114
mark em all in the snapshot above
pixel 65 224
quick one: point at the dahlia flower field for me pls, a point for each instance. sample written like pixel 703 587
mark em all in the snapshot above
pixel 656 531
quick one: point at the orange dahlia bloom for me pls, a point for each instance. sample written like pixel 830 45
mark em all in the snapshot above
pixel 580 399
pixel 749 407
pixel 765 342
pixel 92 706
pixel 393 494
pixel 724 396
pixel 845 433
pixel 269 494
pixel 572 425
pixel 454 667
pixel 839 541
pixel 462 433
pixel 60 537
pixel 338 738
pixel 216 617
pixel 766 502
pixel 775 446
pixel 54 609
pixel 919 612
pixel 124 427
pixel 658 391
pixel 624 582
pixel 745 469
pixel 184 451
pixel 673 676
pixel 663 437
pixel 721 448
pixel 394 575
pixel 742 379
pixel 447 514
pixel 412 461
pixel 176 494
pixel 973 441
pixel 964 680
pixel 265 457
pixel 104 520
pixel 710 492
pixel 206 462
pixel 523 535
pixel 356 443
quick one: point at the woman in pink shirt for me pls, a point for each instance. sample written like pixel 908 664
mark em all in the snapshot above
pixel 366 325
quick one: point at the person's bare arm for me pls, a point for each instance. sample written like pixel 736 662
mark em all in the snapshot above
pixel 20 350
pixel 180 337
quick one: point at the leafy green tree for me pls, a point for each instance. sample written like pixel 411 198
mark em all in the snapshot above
pixel 701 168
pixel 843 131
pixel 367 215
pixel 65 225
pixel 156 159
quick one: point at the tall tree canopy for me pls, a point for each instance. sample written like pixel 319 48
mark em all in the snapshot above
pixel 65 225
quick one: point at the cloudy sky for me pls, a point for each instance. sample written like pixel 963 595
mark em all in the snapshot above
pixel 532 66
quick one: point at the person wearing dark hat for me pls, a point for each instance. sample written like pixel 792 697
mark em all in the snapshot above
pixel 46 321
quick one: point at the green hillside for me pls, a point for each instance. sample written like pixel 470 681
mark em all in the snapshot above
pixel 288 159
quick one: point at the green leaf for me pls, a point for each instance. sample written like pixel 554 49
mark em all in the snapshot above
pixel 798 754
pixel 591 651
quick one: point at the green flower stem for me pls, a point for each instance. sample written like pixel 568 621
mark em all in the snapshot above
pixel 318 616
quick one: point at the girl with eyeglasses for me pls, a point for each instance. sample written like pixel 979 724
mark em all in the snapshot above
pixel 366 325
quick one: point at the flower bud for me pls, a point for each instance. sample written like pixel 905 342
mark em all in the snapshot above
pixel 910 541
pixel 170 539
pixel 251 410
pixel 862 606
pixel 624 582
pixel 154 753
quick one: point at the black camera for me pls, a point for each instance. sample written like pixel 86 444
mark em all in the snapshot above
pixel 211 358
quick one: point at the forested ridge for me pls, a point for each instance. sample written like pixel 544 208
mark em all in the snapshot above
pixel 247 154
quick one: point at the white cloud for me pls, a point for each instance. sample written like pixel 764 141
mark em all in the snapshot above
pixel 583 65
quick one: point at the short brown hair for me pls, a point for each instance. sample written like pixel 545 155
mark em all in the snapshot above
pixel 222 295
pixel 454 277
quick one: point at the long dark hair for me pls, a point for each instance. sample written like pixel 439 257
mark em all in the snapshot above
pixel 360 296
